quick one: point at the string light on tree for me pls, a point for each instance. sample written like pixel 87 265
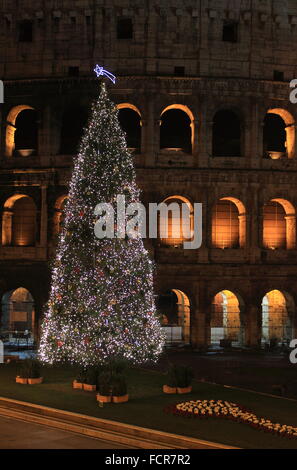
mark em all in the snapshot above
pixel 101 303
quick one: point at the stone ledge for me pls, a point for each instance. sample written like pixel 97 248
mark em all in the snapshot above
pixel 136 436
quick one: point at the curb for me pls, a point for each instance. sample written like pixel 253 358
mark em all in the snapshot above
pixel 122 433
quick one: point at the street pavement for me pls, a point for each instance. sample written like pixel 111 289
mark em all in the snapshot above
pixel 16 434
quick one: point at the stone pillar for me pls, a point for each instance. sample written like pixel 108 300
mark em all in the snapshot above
pixel 200 325
pixel 195 141
pixel 143 124
pixel 43 218
pixel 148 140
pixel 260 241
pixel 242 230
pixel 291 231
pixel 253 323
pixel 44 133
pixel 255 135
pixel 290 140
pixel 7 227
pixel 9 140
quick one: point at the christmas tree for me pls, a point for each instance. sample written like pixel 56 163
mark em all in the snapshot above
pixel 101 304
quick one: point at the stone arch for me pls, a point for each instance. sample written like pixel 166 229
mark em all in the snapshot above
pixel 278 308
pixel 177 128
pixel 226 321
pixel 19 221
pixel 174 307
pixel 279 225
pixel 18 314
pixel 20 138
pixel 130 120
pixel 279 133
pixel 59 213
pixel 172 229
pixel 229 223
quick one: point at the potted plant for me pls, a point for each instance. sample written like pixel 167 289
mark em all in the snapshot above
pixel 171 384
pixel 184 379
pixel 80 379
pixel 29 372
pixel 90 380
pixel 179 379
pixel 119 389
pixel 104 395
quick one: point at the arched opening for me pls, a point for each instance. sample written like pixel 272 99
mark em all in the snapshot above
pixel 177 129
pixel 279 134
pixel 18 316
pixel 279 225
pixel 226 324
pixel 59 214
pixel 19 221
pixel 73 123
pixel 276 318
pixel 226 134
pixel 176 225
pixel 22 131
pixel 130 121
pixel 229 224
pixel 175 311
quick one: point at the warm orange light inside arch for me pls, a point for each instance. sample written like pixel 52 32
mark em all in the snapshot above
pixel 229 224
pixel 189 113
pixel 18 222
pixel 279 225
pixel 176 229
pixel 290 128
pixel 225 318
pixel 10 128
pixel 18 310
pixel 129 106
pixel 183 312
pixel 276 322
pixel 59 215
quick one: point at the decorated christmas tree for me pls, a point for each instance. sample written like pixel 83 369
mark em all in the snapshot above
pixel 101 304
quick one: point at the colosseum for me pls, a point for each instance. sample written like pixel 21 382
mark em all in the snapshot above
pixel 203 91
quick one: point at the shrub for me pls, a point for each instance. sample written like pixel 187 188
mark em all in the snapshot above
pixel 81 375
pixel 30 368
pixel 119 385
pixel 91 376
pixel 171 380
pixel 104 384
pixel 179 376
pixel 117 366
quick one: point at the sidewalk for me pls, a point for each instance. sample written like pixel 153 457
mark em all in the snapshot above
pixel 112 431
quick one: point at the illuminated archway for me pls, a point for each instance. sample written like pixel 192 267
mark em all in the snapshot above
pixel 59 213
pixel 175 311
pixel 18 314
pixel 279 225
pixel 277 308
pixel 229 224
pixel 226 134
pixel 279 133
pixel 173 228
pixel 226 324
pixel 130 120
pixel 177 128
pixel 21 131
pixel 19 221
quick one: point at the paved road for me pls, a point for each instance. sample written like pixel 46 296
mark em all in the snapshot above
pixel 15 434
